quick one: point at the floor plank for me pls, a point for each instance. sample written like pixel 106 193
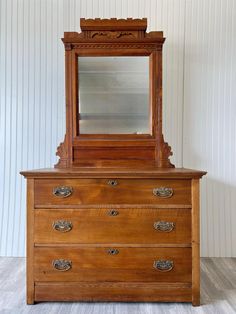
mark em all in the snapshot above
pixel 218 294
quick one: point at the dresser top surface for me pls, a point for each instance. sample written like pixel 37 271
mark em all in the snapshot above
pixel 152 172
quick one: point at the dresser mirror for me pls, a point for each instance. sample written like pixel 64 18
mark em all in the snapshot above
pixel 114 95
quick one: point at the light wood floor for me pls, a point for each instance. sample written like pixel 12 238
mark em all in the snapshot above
pixel 218 293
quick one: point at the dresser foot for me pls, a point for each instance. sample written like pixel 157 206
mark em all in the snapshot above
pixel 196 303
pixel 30 299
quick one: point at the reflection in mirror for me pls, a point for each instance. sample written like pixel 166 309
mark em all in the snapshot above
pixel 114 95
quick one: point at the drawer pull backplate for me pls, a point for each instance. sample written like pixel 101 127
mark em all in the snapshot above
pixel 61 264
pixel 62 191
pixel 163 192
pixel 163 265
pixel 62 225
pixel 164 226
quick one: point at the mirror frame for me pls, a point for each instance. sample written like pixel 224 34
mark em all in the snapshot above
pixel 113 37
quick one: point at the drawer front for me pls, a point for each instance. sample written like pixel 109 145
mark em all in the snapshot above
pixel 112 264
pixel 118 225
pixel 113 291
pixel 105 191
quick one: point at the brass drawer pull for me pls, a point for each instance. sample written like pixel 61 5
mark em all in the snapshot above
pixel 164 226
pixel 163 192
pixel 62 191
pixel 112 212
pixel 62 225
pixel 112 182
pixel 112 251
pixel 61 264
pixel 163 265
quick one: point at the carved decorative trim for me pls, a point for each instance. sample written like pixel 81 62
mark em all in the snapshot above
pixel 112 34
pixel 150 47
pixel 112 19
pixel 108 29
pixel 113 24
pixel 163 154
pixel 62 153
pixel 68 46
pixel 166 149
pixel 69 37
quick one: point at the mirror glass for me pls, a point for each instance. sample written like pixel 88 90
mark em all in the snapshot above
pixel 114 95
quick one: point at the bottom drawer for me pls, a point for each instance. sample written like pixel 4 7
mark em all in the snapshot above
pixel 112 264
pixel 113 291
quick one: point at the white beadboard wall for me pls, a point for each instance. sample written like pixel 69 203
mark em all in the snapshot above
pixel 199 99
pixel 209 134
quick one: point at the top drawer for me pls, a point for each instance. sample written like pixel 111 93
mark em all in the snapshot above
pixel 112 191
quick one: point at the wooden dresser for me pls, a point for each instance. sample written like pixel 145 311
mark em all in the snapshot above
pixel 117 236
pixel 114 220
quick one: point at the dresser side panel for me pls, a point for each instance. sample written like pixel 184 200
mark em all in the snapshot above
pixel 195 243
pixel 30 242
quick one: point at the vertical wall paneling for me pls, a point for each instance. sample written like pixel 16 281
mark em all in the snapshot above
pixel 32 106
pixel 209 114
pixel 198 95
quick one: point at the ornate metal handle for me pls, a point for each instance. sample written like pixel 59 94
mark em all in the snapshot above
pixel 112 182
pixel 61 264
pixel 62 191
pixel 164 226
pixel 62 225
pixel 112 212
pixel 163 192
pixel 163 265
pixel 112 251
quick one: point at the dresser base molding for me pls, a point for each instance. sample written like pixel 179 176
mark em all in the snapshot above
pixel 113 291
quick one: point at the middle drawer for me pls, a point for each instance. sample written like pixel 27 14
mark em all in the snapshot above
pixel 118 225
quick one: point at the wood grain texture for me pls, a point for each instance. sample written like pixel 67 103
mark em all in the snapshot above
pixel 99 191
pixel 113 153
pixel 129 226
pixel 30 241
pixel 110 291
pixel 97 265
pixel 140 172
